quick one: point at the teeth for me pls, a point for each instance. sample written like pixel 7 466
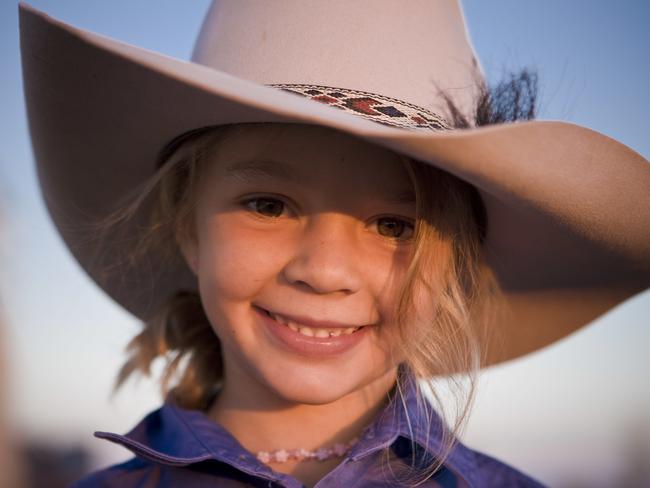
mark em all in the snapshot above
pixel 277 318
pixel 306 331
pixel 322 333
pixel 312 332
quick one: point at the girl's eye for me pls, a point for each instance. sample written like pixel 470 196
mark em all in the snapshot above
pixel 269 207
pixel 395 228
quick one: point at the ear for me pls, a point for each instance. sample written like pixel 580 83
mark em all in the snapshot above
pixel 190 251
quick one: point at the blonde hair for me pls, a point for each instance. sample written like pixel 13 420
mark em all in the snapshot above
pixel 447 264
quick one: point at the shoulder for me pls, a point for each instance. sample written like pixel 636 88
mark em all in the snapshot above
pixel 492 472
pixel 135 472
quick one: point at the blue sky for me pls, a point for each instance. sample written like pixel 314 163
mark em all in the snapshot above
pixel 584 395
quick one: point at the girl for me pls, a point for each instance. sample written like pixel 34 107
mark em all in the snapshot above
pixel 301 266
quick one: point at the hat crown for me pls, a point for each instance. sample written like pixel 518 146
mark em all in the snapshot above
pixel 404 50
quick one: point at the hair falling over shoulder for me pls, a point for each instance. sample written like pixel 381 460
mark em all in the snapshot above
pixel 447 262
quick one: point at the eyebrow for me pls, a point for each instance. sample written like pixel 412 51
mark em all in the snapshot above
pixel 407 196
pixel 256 170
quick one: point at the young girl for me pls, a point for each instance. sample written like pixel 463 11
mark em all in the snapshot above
pixel 304 268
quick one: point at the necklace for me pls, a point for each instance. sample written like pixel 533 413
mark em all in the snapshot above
pixel 322 454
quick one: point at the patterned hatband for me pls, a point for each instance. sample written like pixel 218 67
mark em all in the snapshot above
pixel 378 108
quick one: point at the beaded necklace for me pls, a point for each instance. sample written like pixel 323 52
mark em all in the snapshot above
pixel 321 454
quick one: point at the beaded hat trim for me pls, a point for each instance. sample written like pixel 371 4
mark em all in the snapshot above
pixel 378 108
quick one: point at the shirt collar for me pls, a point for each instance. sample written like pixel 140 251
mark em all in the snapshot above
pixel 178 437
pixel 413 418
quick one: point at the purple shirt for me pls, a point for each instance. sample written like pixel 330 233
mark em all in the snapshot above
pixel 175 447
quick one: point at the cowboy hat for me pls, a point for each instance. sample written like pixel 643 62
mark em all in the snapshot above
pixel 568 209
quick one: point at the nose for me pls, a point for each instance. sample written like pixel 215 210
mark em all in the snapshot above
pixel 326 259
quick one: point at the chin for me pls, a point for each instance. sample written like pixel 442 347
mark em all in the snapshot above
pixel 312 392
pixel 313 385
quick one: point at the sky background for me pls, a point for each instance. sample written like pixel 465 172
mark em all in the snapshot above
pixel 555 414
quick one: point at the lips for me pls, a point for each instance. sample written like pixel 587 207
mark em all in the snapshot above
pixel 308 337
pixel 314 329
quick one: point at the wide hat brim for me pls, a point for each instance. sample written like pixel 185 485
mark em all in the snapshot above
pixel 568 208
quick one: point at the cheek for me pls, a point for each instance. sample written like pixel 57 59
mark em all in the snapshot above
pixel 415 320
pixel 429 297
pixel 388 286
pixel 233 263
pixel 389 280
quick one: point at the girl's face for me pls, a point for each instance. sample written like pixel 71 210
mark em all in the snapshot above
pixel 310 227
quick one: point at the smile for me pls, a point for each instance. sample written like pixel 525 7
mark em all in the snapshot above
pixel 309 337
pixel 333 330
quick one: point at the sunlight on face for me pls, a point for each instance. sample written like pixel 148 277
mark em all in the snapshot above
pixel 311 226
